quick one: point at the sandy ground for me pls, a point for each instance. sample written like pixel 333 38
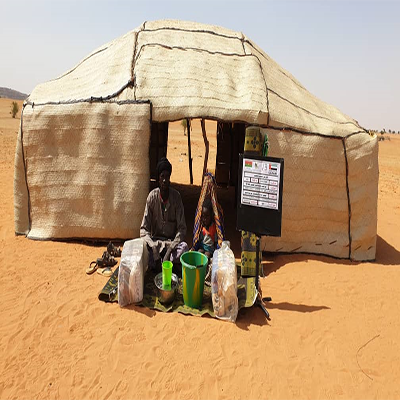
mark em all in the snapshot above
pixel 334 332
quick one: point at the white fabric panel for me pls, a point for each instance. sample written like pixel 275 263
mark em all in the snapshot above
pixel 190 26
pixel 21 199
pixel 197 40
pixel 102 74
pixel 188 83
pixel 86 173
pixel 315 206
pixel 362 155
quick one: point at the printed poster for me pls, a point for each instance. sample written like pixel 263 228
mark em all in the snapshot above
pixel 260 183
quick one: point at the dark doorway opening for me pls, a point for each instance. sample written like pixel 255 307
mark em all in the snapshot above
pixel 226 141
pixel 230 142
pixel 158 146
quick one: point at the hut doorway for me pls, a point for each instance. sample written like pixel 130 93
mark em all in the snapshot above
pixel 157 147
pixel 226 141
pixel 230 142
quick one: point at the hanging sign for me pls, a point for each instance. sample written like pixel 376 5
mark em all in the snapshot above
pixel 260 182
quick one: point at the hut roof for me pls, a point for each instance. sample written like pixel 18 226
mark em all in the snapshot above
pixel 187 69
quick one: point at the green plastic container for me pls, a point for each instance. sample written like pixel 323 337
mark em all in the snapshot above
pixel 166 274
pixel 194 265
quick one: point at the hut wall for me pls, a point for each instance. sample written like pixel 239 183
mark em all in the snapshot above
pixel 362 156
pixel 85 171
pixel 21 198
pixel 315 215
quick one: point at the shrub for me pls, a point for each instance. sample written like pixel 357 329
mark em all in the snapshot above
pixel 184 124
pixel 14 108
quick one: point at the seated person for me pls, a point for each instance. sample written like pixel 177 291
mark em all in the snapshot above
pixel 163 226
pixel 208 239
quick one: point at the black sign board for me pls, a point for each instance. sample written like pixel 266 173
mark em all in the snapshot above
pixel 260 193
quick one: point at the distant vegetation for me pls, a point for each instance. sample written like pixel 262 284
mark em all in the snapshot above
pixel 184 125
pixel 14 109
pixel 12 94
pixel 381 133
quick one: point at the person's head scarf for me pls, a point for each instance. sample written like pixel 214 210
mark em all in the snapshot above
pixel 163 165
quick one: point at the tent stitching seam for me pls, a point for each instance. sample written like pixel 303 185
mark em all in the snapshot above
pixel 266 88
pixel 348 194
pixel 90 100
pixel 139 101
pixel 133 77
pixel 193 31
pixel 311 133
pixel 25 170
pixel 79 64
pixel 315 115
pixel 280 71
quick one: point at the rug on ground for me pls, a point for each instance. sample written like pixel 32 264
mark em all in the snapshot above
pixel 246 295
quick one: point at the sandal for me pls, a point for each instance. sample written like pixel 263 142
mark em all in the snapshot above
pixel 106 261
pixel 92 267
pixel 113 250
pixel 107 271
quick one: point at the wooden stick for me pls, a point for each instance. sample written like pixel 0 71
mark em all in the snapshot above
pixel 207 145
pixel 189 151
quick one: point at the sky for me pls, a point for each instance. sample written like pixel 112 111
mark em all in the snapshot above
pixel 347 53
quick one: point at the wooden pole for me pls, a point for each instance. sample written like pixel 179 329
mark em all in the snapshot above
pixel 189 150
pixel 207 146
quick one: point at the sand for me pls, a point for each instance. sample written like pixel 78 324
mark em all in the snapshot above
pixel 334 331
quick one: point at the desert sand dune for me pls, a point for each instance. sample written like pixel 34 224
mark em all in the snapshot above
pixel 334 331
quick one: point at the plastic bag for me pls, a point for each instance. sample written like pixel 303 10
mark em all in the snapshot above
pixel 224 283
pixel 131 272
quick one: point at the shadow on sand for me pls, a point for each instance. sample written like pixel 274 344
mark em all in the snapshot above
pixel 148 312
pixel 255 316
pixel 386 254
pixel 303 308
pixel 272 262
pixel 251 316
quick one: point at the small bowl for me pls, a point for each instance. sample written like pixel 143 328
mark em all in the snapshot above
pixel 164 295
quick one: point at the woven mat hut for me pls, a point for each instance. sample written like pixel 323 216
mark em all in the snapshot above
pixel 82 168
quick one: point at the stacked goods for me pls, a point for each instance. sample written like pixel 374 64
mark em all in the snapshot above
pixel 131 272
pixel 224 283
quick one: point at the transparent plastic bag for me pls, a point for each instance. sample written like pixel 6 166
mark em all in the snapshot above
pixel 224 283
pixel 131 272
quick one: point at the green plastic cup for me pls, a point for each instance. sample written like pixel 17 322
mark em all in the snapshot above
pixel 194 265
pixel 166 274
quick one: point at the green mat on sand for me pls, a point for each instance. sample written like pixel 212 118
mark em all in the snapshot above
pixel 246 295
